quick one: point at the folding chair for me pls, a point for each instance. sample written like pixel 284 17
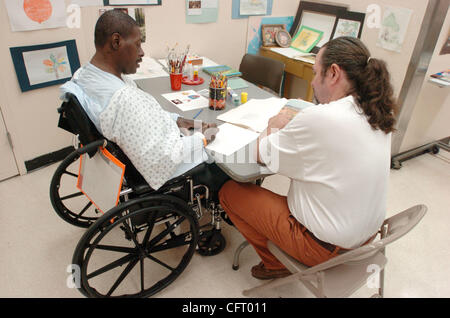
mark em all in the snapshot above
pixel 344 274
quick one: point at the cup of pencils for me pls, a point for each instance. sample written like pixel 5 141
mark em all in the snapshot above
pixel 175 64
pixel 217 92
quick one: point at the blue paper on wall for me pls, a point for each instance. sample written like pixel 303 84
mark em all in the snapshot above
pixel 254 30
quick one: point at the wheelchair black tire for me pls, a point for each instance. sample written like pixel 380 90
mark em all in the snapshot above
pixel 134 212
pixel 72 217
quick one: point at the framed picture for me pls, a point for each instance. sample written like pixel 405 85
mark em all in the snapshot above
pixel 322 17
pixel 268 32
pixel 306 39
pixel 283 38
pixel 132 2
pixel 44 65
pixel 349 24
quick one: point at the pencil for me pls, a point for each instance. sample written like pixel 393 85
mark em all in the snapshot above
pixel 196 115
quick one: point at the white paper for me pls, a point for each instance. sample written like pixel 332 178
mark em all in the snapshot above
pixel 253 7
pixel 289 52
pixel 210 4
pixel 36 16
pixel 98 168
pixel 439 82
pixel 230 139
pixel 187 100
pixel 206 62
pixel 132 2
pixel 149 68
pixel 254 114
pixel 47 65
pixel 321 22
pixel 393 28
pixel 87 3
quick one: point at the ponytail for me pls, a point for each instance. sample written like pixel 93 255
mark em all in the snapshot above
pixel 370 78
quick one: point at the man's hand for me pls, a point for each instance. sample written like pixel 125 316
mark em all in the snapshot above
pixel 189 126
pixel 210 131
pixel 276 123
pixel 185 123
pixel 280 120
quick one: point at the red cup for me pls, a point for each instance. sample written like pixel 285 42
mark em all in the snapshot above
pixel 175 81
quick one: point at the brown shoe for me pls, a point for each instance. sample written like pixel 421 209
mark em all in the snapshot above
pixel 260 272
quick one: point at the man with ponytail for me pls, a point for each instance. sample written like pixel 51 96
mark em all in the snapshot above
pixel 337 157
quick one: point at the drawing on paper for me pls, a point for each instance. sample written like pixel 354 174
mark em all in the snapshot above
pixel 47 65
pixel 56 64
pixel 393 28
pixel 347 28
pixel 253 7
pixel 306 39
pixel 38 10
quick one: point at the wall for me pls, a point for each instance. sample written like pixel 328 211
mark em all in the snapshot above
pixel 430 118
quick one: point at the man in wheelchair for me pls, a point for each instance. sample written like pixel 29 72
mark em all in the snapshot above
pixel 169 182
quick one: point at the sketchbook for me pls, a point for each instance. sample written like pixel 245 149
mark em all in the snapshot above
pixel 221 69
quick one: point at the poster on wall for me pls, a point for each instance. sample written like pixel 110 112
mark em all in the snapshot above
pixel 242 9
pixel 393 28
pixel 27 15
pixel 44 65
pixel 202 11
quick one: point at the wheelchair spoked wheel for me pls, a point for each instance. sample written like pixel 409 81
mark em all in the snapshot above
pixel 67 200
pixel 137 248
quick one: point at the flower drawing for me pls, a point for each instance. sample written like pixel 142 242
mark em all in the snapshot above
pixel 56 64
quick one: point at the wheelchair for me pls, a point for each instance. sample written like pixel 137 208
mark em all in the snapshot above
pixel 144 243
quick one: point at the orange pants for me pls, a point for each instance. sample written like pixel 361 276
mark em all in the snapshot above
pixel 262 215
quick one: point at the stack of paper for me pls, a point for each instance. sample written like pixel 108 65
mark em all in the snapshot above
pixel 149 68
pixel 295 54
pixel 254 114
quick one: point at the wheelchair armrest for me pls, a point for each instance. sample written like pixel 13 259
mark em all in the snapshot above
pixel 91 148
pixel 142 188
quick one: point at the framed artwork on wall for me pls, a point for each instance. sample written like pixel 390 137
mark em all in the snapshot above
pixel 349 24
pixel 268 33
pixel 322 17
pixel 45 65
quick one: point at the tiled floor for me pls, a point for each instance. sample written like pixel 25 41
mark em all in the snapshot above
pixel 36 246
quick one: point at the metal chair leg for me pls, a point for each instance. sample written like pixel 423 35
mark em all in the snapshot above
pixel 238 253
